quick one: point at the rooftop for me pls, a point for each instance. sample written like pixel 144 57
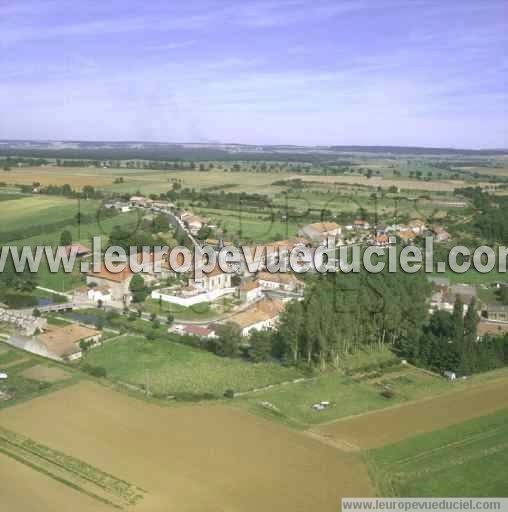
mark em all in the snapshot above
pixel 116 277
pixel 62 341
pixel 263 310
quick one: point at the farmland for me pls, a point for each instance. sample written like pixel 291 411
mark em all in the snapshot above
pixel 19 214
pixel 378 428
pixel 251 464
pixel 468 459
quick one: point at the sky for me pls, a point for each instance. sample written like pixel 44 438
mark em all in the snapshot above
pixel 305 72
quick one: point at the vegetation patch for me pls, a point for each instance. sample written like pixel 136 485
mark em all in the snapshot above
pixel 468 459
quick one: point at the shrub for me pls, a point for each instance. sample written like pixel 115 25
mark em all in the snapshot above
pixel 95 371
pixel 387 393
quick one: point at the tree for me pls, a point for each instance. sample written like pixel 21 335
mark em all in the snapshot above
pixel 260 346
pixel 160 224
pixel 138 289
pixel 467 363
pixel 227 340
pixel 170 318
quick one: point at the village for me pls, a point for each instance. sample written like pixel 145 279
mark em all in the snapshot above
pixel 252 302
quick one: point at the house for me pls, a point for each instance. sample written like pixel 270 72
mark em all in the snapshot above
pixel 100 295
pixel 261 316
pixel 193 222
pixel 361 224
pixel 496 313
pixel 201 331
pixel 206 288
pixel 160 206
pixel 77 249
pixel 141 202
pixel 213 280
pixel 444 297
pixel 403 228
pixel 117 282
pixel 486 328
pixel 417 226
pixel 319 232
pixel 382 240
pixel 250 291
pixel 258 257
pixel 279 281
pixel 406 236
pixel 62 343
pixel 440 234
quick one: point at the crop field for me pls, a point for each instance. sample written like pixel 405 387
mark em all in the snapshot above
pixel 181 458
pixel 171 368
pixel 41 210
pixel 468 459
pixel 376 429
pixel 403 184
pixel 75 177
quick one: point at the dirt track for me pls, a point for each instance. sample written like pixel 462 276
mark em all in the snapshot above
pixel 195 458
pixel 378 428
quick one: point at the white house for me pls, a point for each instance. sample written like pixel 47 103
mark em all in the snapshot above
pixel 117 282
pixel 250 291
pixel 361 224
pixel 279 281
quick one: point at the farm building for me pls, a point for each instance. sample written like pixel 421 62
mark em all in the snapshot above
pixel 262 315
pixel 63 342
pixel 57 343
pixel 319 232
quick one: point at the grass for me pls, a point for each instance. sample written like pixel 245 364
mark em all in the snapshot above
pixel 171 368
pixel 472 276
pixel 40 211
pixel 18 388
pixel 352 394
pixel 200 311
pixel 62 281
pixel 468 459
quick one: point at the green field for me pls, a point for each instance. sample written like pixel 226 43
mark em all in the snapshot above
pixel 171 368
pixel 469 459
pixel 354 390
pixel 18 214
pixel 18 387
